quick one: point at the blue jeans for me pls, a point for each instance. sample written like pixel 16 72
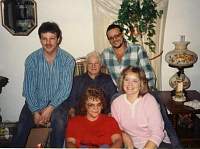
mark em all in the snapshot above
pixel 58 124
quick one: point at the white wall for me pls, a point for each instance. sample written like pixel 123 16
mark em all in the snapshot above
pixel 75 19
pixel 182 19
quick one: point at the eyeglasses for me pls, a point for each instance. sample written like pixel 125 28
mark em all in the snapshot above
pixel 93 64
pixel 92 106
pixel 114 37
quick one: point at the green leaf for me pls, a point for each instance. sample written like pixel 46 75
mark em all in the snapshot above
pixel 142 14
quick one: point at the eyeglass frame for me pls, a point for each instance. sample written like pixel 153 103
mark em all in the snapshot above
pixel 92 106
pixel 115 37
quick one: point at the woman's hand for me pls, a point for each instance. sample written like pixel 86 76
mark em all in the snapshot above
pixel 70 142
pixel 128 143
pixel 150 145
pixel 116 141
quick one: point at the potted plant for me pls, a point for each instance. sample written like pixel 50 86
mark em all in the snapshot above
pixel 138 18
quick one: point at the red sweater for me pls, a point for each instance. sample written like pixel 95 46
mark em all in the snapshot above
pixel 92 133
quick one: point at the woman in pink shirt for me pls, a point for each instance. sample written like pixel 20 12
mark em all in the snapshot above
pixel 138 113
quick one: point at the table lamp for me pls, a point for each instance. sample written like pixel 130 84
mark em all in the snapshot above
pixel 180 58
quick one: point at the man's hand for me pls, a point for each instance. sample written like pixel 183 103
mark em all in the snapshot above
pixel 71 112
pixel 46 114
pixel 37 118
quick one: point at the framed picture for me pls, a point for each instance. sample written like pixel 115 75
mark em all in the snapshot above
pixel 19 17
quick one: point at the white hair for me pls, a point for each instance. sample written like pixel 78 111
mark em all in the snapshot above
pixel 94 53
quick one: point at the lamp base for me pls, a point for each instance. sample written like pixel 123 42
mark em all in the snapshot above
pixel 179 98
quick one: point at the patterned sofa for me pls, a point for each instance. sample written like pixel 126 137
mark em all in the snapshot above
pixel 80 67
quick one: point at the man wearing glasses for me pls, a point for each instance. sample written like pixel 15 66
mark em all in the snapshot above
pixel 93 77
pixel 122 54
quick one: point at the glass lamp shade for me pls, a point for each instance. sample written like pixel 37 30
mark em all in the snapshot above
pixel 181 57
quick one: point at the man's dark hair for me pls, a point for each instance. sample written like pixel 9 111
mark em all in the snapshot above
pixel 112 26
pixel 51 27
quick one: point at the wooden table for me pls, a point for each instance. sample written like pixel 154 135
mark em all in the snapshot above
pixel 179 107
pixel 187 136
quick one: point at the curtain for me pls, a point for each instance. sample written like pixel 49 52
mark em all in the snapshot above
pixel 106 11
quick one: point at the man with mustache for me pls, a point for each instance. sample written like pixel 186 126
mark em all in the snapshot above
pixel 122 54
pixel 47 84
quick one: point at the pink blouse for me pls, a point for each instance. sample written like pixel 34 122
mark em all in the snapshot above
pixel 142 120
